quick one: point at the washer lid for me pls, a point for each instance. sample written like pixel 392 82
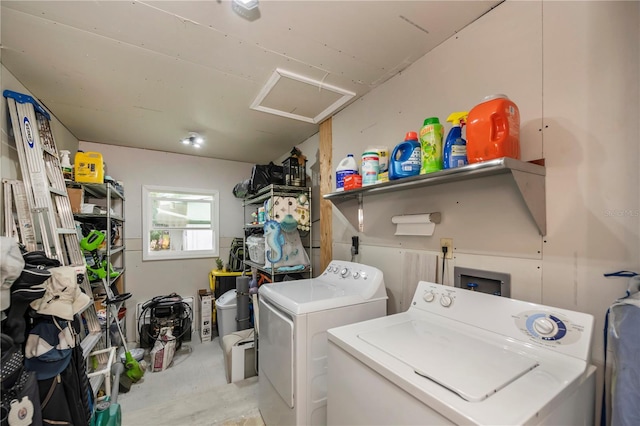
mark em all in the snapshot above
pixel 312 295
pixel 467 366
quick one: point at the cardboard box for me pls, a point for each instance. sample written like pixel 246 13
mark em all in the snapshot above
pixel 75 198
pixel 204 314
pixel 98 298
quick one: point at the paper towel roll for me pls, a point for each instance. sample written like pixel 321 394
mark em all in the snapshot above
pixel 416 224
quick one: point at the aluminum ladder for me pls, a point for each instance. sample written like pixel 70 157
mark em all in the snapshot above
pixel 17 217
pixel 43 194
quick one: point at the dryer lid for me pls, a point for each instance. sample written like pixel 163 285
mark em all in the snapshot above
pixel 467 366
pixel 312 295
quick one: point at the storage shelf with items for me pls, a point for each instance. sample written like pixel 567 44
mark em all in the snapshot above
pixel 529 178
pixel 277 232
pixel 99 209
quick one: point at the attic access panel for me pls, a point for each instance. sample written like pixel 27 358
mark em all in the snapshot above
pixel 298 97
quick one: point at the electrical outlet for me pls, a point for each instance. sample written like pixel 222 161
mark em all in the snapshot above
pixel 448 243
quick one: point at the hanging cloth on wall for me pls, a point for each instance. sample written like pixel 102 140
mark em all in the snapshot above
pixel 622 323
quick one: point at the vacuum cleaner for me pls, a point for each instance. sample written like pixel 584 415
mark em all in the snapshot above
pixel 108 411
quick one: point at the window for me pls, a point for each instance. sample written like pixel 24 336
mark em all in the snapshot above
pixel 179 223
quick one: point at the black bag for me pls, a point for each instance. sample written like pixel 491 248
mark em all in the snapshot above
pixel 54 404
pixel 265 175
pixel 39 258
pixel 80 385
pixel 20 397
pixel 22 401
pixel 12 362
pixel 241 190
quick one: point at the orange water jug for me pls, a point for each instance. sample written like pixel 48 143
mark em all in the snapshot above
pixel 493 130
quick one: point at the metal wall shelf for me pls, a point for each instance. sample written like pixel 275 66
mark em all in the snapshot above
pixel 529 178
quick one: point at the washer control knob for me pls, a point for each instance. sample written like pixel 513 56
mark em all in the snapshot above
pixel 429 297
pixel 335 270
pixel 344 272
pixel 544 326
pixel 446 300
pixel 356 275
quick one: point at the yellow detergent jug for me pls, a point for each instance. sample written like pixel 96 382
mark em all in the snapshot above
pixel 89 167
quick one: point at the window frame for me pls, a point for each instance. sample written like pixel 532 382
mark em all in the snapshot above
pixel 147 224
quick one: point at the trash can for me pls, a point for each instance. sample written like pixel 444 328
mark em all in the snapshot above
pixel 226 314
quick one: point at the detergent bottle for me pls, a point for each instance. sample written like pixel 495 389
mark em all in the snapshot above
pixel 346 167
pixel 454 153
pixel 493 130
pixel 406 158
pixel 431 135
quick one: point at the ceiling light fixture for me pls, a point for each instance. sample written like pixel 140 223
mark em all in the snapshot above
pixel 246 4
pixel 194 139
pixel 248 9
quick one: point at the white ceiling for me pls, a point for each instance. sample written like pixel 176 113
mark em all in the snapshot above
pixel 144 74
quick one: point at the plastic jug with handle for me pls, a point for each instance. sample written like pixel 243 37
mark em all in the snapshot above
pixel 493 130
pixel 406 158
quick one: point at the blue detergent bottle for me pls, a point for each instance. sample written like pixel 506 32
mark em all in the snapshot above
pixel 406 158
pixel 454 153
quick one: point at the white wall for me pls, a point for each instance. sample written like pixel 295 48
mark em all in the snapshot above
pixel 573 70
pixel 137 167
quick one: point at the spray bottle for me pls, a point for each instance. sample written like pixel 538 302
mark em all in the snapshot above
pixel 455 148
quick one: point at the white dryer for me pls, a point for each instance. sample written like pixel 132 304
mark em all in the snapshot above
pixel 294 317
pixel 461 357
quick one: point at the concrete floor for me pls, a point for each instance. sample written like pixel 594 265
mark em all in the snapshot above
pixel 192 391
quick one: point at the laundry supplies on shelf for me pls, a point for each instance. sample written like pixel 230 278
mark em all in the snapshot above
pixel 454 153
pixel 406 158
pixel 493 130
pixel 370 167
pixel 431 135
pixel 346 167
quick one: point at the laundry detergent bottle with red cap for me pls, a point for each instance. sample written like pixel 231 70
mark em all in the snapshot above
pixel 493 130
pixel 406 158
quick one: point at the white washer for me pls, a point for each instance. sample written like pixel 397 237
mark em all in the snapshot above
pixel 462 357
pixel 294 317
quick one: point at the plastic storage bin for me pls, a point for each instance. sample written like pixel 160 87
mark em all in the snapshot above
pixel 226 314
pixel 255 245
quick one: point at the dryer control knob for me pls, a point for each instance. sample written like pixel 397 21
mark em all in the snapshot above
pixel 356 275
pixel 445 300
pixel 429 297
pixel 544 326
pixel 344 272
